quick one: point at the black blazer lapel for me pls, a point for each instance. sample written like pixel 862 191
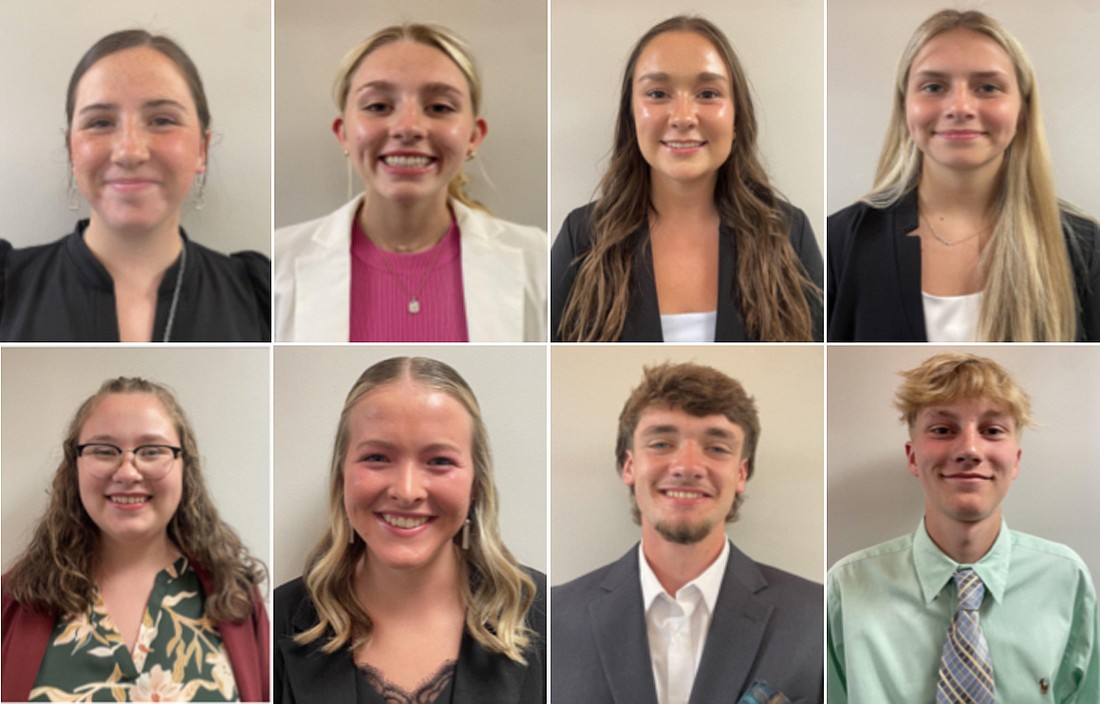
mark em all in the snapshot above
pixel 907 261
pixel 618 625
pixel 643 317
pixel 315 676
pixel 730 327
pixel 737 630
pixel 483 677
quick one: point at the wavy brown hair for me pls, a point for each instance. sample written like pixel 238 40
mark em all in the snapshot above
pixel 55 574
pixel 774 292
pixel 497 593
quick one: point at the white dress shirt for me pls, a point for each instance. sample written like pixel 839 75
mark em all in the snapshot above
pixel 677 626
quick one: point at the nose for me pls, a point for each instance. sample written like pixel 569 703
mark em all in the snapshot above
pixel 407 487
pixel 408 123
pixel 131 145
pixel 966 449
pixel 683 113
pixel 960 105
pixel 127 468
pixel 688 461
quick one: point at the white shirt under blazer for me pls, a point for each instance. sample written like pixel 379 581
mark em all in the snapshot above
pixel 503 278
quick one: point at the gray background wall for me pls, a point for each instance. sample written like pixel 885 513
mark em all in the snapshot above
pixel 509 43
pixel 781 47
pixel 224 393
pixel 872 496
pixel 866 37
pixel 229 42
pixel 782 518
pixel 310 386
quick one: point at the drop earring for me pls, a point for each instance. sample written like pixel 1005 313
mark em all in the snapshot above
pixel 200 185
pixel 74 199
pixel 466 535
pixel 351 534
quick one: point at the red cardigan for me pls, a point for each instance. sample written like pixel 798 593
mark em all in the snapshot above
pixel 26 634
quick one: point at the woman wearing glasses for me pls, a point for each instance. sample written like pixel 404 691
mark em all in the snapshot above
pixel 132 587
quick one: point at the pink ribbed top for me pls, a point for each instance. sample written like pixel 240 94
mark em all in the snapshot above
pixel 382 283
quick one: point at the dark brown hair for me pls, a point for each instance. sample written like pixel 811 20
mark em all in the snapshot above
pixel 698 391
pixel 770 283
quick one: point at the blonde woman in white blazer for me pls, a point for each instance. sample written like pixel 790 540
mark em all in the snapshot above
pixel 412 258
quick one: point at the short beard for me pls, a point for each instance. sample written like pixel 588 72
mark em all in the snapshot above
pixel 684 533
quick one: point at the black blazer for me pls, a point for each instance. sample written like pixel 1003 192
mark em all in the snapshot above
pixel 304 674
pixel 766 626
pixel 874 292
pixel 643 318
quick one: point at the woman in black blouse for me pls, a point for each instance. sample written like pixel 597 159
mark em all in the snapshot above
pixel 138 134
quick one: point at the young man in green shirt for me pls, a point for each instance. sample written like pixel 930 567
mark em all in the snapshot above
pixel 964 609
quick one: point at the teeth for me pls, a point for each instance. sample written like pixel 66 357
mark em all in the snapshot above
pixel 683 145
pixel 683 494
pixel 404 522
pixel 129 500
pixel 407 161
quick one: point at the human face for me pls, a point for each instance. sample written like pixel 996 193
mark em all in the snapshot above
pixel 685 471
pixel 135 141
pixel 408 474
pixel 127 507
pixel 683 108
pixel 409 123
pixel 962 101
pixel 965 454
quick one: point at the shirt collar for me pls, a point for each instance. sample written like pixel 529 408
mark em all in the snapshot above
pixel 934 568
pixel 709 582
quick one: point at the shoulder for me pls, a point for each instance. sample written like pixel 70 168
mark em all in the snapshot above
pixel 12 257
pixel 856 567
pixel 244 263
pixel 474 221
pixel 334 227
pixel 848 220
pixel 1049 555
pixel 293 608
pixel 576 231
pixel 578 592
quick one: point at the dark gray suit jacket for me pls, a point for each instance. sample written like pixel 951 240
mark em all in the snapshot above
pixel 767 626
pixel 305 674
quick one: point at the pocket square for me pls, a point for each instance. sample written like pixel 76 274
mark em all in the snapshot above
pixel 763 693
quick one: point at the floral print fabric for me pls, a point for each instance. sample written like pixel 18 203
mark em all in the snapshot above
pixel 178 657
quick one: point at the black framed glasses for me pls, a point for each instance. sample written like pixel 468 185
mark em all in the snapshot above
pixel 102 459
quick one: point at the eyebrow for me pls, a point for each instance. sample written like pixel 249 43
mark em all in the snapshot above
pixel 713 431
pixel 154 438
pixel 985 415
pixel 158 103
pixel 705 76
pixel 389 446
pixel 930 73
pixel 434 87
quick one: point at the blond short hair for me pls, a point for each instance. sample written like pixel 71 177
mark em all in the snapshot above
pixel 950 377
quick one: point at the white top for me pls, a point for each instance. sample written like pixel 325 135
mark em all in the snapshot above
pixel 951 318
pixel 677 626
pixel 689 327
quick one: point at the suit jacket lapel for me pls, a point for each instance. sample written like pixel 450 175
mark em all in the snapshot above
pixel 618 625
pixel 907 256
pixel 730 327
pixel 493 279
pixel 736 631
pixel 483 677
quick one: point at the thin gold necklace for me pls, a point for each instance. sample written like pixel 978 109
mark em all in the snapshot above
pixel 950 243
pixel 413 306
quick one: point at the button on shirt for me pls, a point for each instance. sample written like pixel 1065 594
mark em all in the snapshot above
pixel 889 608
pixel 677 626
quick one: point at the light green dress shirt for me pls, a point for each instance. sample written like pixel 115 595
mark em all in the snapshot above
pixel 890 607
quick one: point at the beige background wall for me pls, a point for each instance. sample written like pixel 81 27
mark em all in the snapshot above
pixel 866 37
pixel 872 496
pixel 229 42
pixel 782 518
pixel 781 47
pixel 224 393
pixel 509 43
pixel 310 386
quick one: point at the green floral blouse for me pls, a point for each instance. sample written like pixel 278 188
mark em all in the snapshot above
pixel 179 656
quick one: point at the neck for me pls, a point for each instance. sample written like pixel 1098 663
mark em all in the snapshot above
pixel 678 200
pixel 391 590
pixel 143 254
pixel 121 557
pixel 676 564
pixel 404 227
pixel 967 192
pixel 963 542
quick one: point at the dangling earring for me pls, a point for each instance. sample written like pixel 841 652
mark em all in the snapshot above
pixel 466 535
pixel 74 199
pixel 351 534
pixel 200 185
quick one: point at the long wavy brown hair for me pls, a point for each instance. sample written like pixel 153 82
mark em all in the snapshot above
pixel 773 290
pixel 55 574
pixel 497 592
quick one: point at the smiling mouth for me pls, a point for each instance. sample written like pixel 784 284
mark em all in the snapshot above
pixel 404 521
pixel 683 145
pixel 683 494
pixel 966 476
pixel 406 161
pixel 129 500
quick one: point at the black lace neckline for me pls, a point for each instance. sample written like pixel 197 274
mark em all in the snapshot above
pixel 427 692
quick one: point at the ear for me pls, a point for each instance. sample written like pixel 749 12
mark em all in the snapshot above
pixel 477 135
pixel 628 469
pixel 911 458
pixel 338 130
pixel 1016 469
pixel 204 151
pixel 742 475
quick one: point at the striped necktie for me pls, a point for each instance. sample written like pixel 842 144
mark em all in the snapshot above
pixel 966 673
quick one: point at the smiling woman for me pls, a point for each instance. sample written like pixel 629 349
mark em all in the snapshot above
pixel 688 241
pixel 138 135
pixel 413 258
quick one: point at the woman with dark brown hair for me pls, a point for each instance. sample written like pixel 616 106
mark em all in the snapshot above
pixel 688 241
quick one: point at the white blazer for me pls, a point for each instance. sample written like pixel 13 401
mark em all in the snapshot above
pixel 503 278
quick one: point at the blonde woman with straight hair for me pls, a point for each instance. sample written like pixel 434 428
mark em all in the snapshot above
pixel 962 238
pixel 688 240
pixel 411 595
pixel 412 258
